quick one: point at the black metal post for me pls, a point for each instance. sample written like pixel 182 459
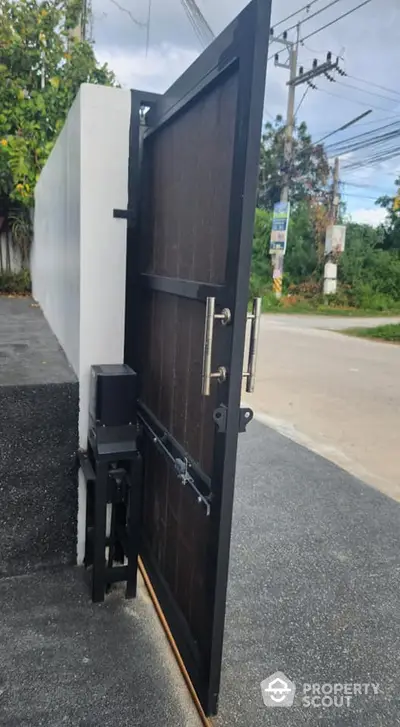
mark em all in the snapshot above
pixel 99 532
pixel 134 520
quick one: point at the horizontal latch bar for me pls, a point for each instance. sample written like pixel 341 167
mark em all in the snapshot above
pixel 183 467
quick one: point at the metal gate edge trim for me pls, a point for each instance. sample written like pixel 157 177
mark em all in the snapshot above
pixel 253 51
pixel 175 650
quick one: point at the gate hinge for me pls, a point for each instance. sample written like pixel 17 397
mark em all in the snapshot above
pixel 129 215
pixel 220 416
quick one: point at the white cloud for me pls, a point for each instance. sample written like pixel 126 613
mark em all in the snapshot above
pixel 154 72
pixel 370 37
pixel 371 216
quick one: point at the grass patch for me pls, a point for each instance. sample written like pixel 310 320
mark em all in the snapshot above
pixel 390 333
pixel 295 305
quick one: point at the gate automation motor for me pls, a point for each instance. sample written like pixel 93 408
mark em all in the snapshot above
pixel 112 467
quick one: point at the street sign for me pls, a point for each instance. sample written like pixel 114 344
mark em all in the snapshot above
pixel 335 239
pixel 280 224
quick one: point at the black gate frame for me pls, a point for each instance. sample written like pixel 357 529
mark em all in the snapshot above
pixel 242 46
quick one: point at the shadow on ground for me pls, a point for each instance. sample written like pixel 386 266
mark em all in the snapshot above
pixel 65 662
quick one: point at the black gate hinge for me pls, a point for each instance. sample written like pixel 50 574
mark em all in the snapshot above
pixel 220 416
pixel 125 215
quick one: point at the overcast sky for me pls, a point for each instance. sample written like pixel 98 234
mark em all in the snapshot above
pixel 368 41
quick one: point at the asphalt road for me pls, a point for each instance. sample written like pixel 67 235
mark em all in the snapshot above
pixel 337 395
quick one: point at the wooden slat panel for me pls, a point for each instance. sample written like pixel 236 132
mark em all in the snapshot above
pixel 185 235
pixel 172 377
pixel 190 189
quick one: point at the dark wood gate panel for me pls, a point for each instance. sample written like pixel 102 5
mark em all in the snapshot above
pixel 189 247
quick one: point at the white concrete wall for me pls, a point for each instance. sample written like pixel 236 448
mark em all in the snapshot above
pixel 105 118
pixel 79 251
pixel 55 257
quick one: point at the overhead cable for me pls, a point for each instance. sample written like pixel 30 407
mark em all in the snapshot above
pixel 349 12
pixel 296 12
pixel 375 85
pixel 317 12
pixel 365 90
pixel 345 126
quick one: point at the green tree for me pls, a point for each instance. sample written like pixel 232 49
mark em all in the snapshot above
pixel 301 259
pixel 42 64
pixel 261 272
pixel 369 275
pixel 308 169
pixel 391 228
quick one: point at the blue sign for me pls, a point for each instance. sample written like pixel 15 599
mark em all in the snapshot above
pixel 280 224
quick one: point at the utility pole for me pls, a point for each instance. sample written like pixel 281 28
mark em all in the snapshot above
pixel 295 80
pixel 291 65
pixel 335 193
pixel 84 19
pixel 335 235
pixel 293 55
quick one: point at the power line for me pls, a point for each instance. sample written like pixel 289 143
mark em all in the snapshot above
pixel 359 196
pixel 326 7
pixel 289 17
pixel 193 23
pixel 381 172
pixel 371 93
pixel 198 22
pixel 128 12
pixel 301 100
pixel 148 27
pixel 363 123
pixel 345 126
pixel 366 135
pixel 332 22
pixel 376 85
pixel 373 160
pixel 317 12
pixel 380 141
pixel 364 186
pixel 322 51
pixel 351 100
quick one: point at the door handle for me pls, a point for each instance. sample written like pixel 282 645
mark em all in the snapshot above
pixel 221 373
pixel 255 318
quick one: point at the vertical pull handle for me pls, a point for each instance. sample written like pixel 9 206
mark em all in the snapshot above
pixel 255 318
pixel 207 346
pixel 221 373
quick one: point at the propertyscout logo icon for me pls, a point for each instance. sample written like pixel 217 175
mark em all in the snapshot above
pixel 278 691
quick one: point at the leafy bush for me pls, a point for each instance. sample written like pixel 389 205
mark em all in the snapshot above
pixel 261 271
pixel 270 303
pixel 368 275
pixel 15 283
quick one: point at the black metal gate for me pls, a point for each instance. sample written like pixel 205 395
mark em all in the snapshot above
pixel 193 171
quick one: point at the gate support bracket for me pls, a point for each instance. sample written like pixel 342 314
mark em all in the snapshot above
pixel 129 215
pixel 220 416
pixel 245 416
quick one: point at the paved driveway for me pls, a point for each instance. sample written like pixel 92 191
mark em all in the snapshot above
pixel 339 396
pixel 313 590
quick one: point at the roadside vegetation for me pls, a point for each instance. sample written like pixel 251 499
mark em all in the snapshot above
pixel 368 270
pixel 43 63
pixel 390 333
